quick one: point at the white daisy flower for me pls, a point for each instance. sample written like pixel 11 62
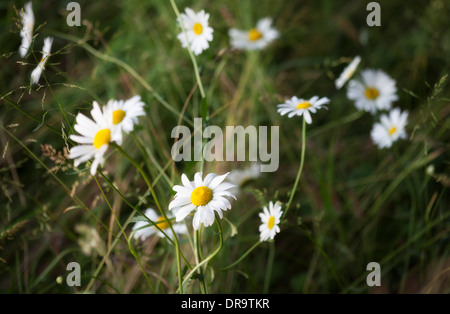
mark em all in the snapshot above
pixel 198 31
pixel 374 91
pixel 256 38
pixel 96 135
pixel 144 229
pixel 124 114
pixel 348 72
pixel 390 128
pixel 204 196
pixel 36 74
pixel 299 106
pixel 270 219
pixel 26 31
pixel 241 176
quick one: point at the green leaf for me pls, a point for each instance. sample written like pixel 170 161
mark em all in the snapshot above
pixel 40 124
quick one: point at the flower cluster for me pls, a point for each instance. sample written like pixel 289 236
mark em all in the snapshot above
pixel 374 91
pixel 197 34
pixel 105 128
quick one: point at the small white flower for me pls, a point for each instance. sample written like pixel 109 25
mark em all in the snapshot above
pixel 36 74
pixel 348 72
pixel 124 114
pixel 256 38
pixel 26 32
pixel 299 106
pixel 375 90
pixel 204 196
pixel 270 219
pixel 144 229
pixel 198 31
pixel 241 176
pixel 96 135
pixel 390 128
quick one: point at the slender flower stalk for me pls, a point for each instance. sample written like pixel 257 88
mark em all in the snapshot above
pixel 158 205
pixel 254 246
pixel 194 61
pixel 299 173
pixel 210 257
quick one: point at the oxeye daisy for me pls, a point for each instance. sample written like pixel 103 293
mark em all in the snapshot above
pixel 270 218
pixel 36 74
pixel 390 128
pixel 124 114
pixel 299 106
pixel 241 176
pixel 256 38
pixel 26 32
pixel 143 229
pixel 198 31
pixel 375 90
pixel 203 196
pixel 96 135
pixel 348 72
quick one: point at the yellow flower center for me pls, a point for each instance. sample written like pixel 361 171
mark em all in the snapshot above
pixel 198 28
pixel 201 196
pixel 162 223
pixel 102 137
pixel 392 130
pixel 372 93
pixel 118 116
pixel 304 105
pixel 271 222
pixel 254 34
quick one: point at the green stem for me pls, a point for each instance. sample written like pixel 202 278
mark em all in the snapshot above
pixel 194 62
pixel 133 252
pixel 152 191
pixel 299 173
pixel 198 248
pixel 210 257
pixel 243 256
pixel 29 115
pixel 135 208
pixel 269 268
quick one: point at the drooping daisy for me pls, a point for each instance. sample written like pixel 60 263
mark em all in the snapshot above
pixel 144 229
pixel 36 74
pixel 375 90
pixel 256 38
pixel 26 32
pixel 198 31
pixel 390 128
pixel 348 72
pixel 124 114
pixel 241 176
pixel 204 196
pixel 299 106
pixel 270 219
pixel 96 135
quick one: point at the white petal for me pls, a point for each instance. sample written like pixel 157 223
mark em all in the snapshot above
pixel 217 180
pixel 184 211
pixel 180 201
